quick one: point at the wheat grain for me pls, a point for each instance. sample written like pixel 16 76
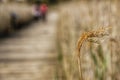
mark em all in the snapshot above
pixel 90 34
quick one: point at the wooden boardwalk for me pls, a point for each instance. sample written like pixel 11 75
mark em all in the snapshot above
pixel 30 54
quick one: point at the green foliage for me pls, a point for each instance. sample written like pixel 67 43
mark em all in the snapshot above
pixel 60 56
pixel 99 62
pixel 93 56
pixel 42 1
pixel 45 1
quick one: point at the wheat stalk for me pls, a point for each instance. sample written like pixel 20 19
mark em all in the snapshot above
pixel 90 34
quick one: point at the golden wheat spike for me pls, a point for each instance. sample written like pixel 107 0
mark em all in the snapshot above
pixel 96 33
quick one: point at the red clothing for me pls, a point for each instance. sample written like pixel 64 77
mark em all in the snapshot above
pixel 43 8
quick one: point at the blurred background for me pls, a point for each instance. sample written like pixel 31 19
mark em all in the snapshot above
pixel 38 39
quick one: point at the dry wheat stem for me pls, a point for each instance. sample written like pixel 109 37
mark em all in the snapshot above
pixel 97 33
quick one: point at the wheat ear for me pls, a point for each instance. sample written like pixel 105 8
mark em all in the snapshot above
pixel 96 33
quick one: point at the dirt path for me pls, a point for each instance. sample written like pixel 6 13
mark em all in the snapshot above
pixel 31 53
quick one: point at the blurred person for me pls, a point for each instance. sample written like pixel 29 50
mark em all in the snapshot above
pixel 37 12
pixel 43 9
pixel 14 18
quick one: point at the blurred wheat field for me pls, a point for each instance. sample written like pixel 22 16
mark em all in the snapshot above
pixel 100 57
